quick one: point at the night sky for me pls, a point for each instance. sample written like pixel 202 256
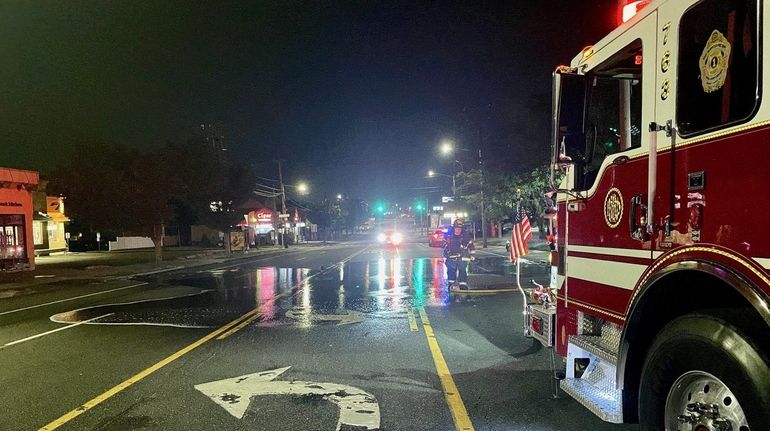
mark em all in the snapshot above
pixel 354 95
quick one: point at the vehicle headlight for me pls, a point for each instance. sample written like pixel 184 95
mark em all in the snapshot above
pixel 397 238
pixel 381 237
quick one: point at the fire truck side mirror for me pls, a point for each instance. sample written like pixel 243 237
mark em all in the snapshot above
pixel 569 102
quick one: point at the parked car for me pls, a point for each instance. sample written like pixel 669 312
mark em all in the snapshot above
pixel 436 238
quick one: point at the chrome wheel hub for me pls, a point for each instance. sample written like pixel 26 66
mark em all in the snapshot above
pixel 698 401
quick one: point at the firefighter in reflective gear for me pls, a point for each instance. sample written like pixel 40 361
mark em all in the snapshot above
pixel 458 250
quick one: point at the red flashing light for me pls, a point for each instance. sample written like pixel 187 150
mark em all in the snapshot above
pixel 629 8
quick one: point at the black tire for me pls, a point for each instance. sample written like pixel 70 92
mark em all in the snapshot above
pixel 694 343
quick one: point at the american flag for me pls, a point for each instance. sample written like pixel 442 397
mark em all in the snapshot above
pixel 522 233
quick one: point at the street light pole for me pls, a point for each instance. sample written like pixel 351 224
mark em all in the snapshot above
pixel 454 174
pixel 283 205
pixel 481 173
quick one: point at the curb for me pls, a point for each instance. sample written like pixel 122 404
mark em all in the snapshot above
pixel 186 263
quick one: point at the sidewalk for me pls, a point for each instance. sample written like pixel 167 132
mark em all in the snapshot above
pixel 105 265
pixel 534 244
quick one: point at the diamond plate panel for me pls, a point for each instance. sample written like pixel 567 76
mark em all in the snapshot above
pixel 610 336
pixel 605 404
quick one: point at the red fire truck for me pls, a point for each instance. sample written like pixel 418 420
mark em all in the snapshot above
pixel 662 272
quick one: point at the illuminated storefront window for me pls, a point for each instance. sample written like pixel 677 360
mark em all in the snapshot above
pixel 12 237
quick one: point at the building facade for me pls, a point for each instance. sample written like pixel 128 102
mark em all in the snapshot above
pixel 48 222
pixel 17 248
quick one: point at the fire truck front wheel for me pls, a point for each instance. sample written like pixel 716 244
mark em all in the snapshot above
pixel 704 372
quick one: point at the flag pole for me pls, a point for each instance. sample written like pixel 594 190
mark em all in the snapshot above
pixel 524 305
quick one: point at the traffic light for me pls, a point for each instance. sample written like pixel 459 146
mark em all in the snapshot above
pixel 379 208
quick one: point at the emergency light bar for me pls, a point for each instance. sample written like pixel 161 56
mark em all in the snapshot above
pixel 629 8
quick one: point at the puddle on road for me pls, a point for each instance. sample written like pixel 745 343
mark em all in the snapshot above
pixel 379 288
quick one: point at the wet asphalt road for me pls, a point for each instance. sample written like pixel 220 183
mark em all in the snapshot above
pixel 319 338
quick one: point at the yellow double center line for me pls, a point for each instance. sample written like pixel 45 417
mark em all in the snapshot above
pixel 139 376
pixel 253 315
pixel 220 333
pixel 456 406
pixel 412 320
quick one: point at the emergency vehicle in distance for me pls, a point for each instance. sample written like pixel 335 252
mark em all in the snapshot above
pixel 662 265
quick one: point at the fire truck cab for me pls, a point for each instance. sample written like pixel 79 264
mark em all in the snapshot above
pixel 661 141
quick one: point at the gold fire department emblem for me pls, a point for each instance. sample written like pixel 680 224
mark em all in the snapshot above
pixel 613 207
pixel 714 62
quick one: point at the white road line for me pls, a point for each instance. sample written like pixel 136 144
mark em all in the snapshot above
pixel 60 317
pixel 301 258
pixel 71 299
pixel 53 330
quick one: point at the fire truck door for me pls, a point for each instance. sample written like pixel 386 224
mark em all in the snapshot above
pixel 708 85
pixel 607 247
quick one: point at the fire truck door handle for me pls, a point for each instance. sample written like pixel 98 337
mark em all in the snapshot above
pixel 632 214
pixel 636 230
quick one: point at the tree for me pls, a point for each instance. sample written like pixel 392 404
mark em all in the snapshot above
pixel 504 193
pixel 211 184
pixel 119 189
pixel 533 188
pixel 137 193
pixel 498 200
pixel 327 214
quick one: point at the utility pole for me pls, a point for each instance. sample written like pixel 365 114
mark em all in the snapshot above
pixel 481 172
pixel 281 220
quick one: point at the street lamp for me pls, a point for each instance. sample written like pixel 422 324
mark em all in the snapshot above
pixel 302 187
pixel 339 196
pixel 432 173
pixel 447 148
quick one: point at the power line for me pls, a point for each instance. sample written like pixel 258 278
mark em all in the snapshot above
pixel 267 187
pixel 272 180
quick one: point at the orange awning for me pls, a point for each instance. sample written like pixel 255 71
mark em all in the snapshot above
pixel 58 217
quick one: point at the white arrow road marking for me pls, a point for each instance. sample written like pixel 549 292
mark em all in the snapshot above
pixel 357 408
pixel 351 316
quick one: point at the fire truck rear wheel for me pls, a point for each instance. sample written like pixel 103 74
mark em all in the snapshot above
pixel 707 359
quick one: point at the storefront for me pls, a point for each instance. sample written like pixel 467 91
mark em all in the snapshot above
pixel 261 225
pixel 17 248
pixel 48 224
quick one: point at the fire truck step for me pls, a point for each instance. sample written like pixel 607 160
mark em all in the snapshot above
pixel 591 376
pixel 604 404
pixel 596 346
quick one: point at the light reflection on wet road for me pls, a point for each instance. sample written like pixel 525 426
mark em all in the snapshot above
pixel 376 288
